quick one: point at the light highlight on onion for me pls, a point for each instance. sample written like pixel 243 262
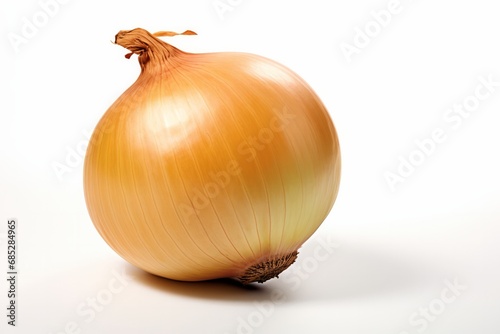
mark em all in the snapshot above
pixel 210 165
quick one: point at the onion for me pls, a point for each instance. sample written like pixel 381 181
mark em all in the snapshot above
pixel 210 165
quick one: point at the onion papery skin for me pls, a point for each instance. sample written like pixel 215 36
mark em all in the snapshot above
pixel 210 163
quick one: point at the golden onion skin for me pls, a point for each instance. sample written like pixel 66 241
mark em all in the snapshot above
pixel 210 163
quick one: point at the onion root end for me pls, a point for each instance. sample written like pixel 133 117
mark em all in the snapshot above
pixel 267 269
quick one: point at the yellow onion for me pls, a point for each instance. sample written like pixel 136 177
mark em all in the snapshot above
pixel 210 165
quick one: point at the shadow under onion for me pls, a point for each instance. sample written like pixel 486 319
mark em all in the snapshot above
pixel 218 289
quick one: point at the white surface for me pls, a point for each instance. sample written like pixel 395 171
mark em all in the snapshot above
pixel 395 252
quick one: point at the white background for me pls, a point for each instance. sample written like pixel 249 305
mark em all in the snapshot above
pixel 396 250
